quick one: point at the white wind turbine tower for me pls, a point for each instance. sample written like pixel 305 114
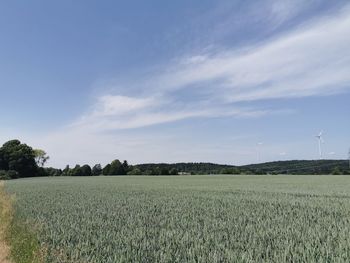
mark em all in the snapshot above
pixel 320 141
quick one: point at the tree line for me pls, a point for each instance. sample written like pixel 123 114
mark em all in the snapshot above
pixel 18 160
pixel 116 167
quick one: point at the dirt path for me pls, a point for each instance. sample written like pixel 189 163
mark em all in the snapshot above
pixel 5 216
pixel 4 253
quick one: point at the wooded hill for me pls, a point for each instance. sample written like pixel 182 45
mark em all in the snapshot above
pixel 280 167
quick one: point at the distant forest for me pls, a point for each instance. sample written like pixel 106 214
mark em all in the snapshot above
pixel 18 160
pixel 301 167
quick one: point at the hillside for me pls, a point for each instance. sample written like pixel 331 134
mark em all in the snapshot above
pixel 279 167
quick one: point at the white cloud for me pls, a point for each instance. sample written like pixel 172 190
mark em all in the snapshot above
pixel 109 105
pixel 312 60
pixel 282 10
pixel 121 112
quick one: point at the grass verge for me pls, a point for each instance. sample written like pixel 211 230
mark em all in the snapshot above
pixel 17 243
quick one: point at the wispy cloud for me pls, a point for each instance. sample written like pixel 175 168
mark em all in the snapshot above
pixel 122 112
pixel 110 105
pixel 238 23
pixel 282 11
pixel 313 60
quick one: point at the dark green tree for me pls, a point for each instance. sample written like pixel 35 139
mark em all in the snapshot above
pixel 97 169
pixel 18 157
pixel 105 170
pixel 6 175
pixel 66 170
pixel 3 163
pixel 52 171
pixel 86 170
pixel 116 168
pixel 155 171
pixel 174 171
pixel 164 171
pixel 126 166
pixel 76 171
pixel 336 171
pixel 225 171
pixel 135 171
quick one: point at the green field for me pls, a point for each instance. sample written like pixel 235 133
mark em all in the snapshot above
pixel 188 218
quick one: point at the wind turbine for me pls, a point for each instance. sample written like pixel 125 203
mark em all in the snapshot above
pixel 320 141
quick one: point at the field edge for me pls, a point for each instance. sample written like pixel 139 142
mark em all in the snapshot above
pixel 18 244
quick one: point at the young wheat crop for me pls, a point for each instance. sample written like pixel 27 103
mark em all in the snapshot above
pixel 189 219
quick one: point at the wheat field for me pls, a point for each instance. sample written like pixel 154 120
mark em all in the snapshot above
pixel 188 218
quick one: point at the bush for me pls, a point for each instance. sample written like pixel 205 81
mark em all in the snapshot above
pixel 6 175
pixel 96 170
pixel 174 171
pixel 336 171
pixel 135 171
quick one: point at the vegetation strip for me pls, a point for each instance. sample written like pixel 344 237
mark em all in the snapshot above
pixel 5 219
pixel 17 243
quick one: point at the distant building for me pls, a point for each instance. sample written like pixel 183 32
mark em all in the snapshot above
pixel 184 173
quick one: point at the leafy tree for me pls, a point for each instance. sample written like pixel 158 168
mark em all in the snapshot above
pixel 18 157
pixel 6 175
pixel 66 170
pixel 126 166
pixel 105 170
pixel 116 168
pixel 155 171
pixel 147 172
pixel 86 170
pixel 97 169
pixel 225 171
pixel 40 157
pixel 235 171
pixel 135 171
pixel 164 171
pixel 52 171
pixel 3 163
pixel 230 171
pixel 174 171
pixel 336 171
pixel 76 171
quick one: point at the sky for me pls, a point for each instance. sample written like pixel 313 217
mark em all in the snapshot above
pixel 231 82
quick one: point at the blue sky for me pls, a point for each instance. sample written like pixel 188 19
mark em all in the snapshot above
pixel 172 81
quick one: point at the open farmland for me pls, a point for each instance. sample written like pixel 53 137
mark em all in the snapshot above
pixel 188 218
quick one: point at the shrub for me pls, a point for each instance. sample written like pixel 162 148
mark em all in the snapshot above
pixel 6 175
